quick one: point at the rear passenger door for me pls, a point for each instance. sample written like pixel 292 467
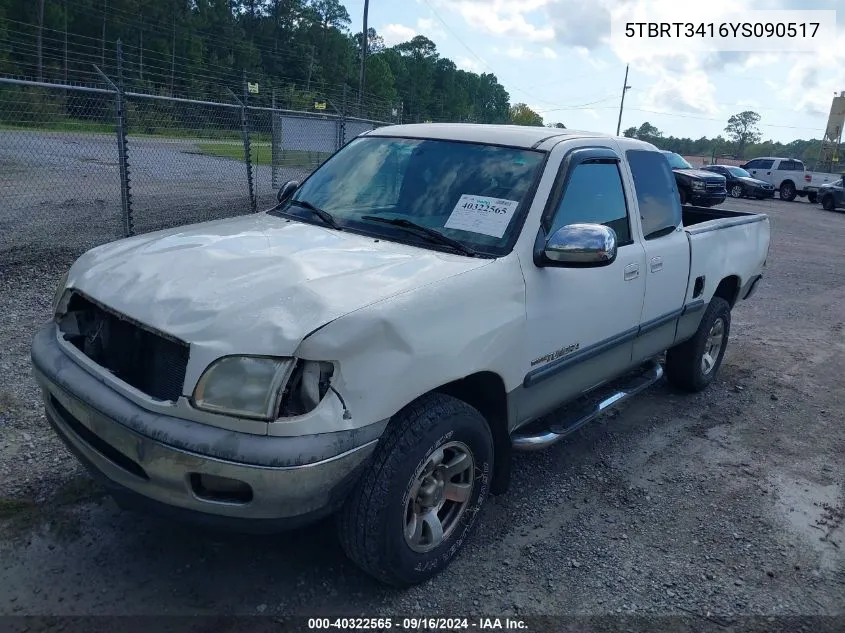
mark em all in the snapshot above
pixel 761 169
pixel 667 251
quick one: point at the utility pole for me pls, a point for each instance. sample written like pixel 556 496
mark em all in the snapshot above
pixel 40 40
pixel 65 12
pixel 310 68
pixel 364 47
pixel 103 41
pixel 625 88
pixel 173 53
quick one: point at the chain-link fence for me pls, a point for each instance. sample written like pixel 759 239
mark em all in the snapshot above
pixel 80 166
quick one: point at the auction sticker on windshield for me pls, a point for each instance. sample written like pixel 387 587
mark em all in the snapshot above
pixel 480 214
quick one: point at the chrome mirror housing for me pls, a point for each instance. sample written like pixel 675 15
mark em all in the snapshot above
pixel 581 245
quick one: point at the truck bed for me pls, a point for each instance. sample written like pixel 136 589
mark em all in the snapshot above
pixel 703 219
pixel 724 245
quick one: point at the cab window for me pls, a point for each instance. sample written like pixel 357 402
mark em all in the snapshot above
pixel 594 195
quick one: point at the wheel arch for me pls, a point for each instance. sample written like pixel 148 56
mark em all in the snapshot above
pixel 728 289
pixel 485 391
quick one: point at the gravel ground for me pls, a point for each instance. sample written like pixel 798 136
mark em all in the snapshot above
pixel 728 503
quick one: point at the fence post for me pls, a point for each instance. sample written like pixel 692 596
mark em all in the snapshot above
pixel 273 139
pixel 122 144
pixel 247 154
pixel 341 132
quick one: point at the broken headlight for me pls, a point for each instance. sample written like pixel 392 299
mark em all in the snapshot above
pixel 308 385
pixel 243 386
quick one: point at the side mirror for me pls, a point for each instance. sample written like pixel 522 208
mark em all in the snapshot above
pixel 580 246
pixel 287 190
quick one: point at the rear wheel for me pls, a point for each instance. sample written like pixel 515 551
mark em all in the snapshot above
pixel 415 506
pixel 827 203
pixel 787 191
pixel 736 191
pixel 692 365
pixel 812 198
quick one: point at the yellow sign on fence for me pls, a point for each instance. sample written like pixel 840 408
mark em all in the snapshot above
pixel 319 105
pixel 253 88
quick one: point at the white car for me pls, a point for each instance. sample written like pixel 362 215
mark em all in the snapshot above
pixel 379 342
pixel 789 177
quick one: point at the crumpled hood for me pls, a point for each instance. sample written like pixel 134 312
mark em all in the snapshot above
pixel 255 284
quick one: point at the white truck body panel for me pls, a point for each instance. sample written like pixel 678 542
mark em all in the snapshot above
pixel 394 320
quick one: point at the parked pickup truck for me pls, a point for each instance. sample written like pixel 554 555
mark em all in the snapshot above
pixel 696 186
pixel 789 177
pixel 431 298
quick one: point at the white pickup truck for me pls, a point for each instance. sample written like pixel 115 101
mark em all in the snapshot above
pixel 789 177
pixel 431 298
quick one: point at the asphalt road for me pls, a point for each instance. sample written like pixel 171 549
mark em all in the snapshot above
pixel 64 188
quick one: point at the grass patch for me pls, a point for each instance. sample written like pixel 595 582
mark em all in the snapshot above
pixel 72 126
pixel 262 154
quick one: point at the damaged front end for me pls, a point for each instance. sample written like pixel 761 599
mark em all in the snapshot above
pixel 151 362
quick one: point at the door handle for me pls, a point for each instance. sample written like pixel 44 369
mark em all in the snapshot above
pixel 656 264
pixel 632 271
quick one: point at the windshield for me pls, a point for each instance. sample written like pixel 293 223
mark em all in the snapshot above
pixel 739 172
pixel 469 192
pixel 676 161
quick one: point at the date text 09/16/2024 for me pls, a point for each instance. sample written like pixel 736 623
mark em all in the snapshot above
pixel 418 624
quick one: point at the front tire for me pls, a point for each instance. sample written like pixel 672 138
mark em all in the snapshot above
pixel 828 203
pixel 692 365
pixel 414 507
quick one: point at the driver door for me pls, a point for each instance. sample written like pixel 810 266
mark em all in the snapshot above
pixel 581 322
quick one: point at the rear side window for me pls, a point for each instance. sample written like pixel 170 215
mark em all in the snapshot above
pixel 791 165
pixel 594 195
pixel 657 195
pixel 760 164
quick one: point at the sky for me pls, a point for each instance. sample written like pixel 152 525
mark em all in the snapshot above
pixel 558 56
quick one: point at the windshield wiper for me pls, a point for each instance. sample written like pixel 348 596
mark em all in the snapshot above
pixel 413 227
pixel 324 216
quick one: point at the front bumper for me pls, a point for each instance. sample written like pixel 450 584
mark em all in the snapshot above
pixel 708 199
pixel 145 460
pixel 759 192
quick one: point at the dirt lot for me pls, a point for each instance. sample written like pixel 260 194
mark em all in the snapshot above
pixel 728 502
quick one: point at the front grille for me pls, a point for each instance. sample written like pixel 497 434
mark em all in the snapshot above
pixel 714 186
pixel 148 361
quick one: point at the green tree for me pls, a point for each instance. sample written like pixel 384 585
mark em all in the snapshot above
pixel 521 114
pixel 742 129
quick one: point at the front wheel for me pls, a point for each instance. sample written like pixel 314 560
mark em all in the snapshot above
pixel 828 203
pixel 416 504
pixel 692 365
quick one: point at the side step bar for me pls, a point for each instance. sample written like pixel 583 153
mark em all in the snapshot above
pixel 591 406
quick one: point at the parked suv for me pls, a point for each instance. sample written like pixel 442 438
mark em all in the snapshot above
pixel 696 186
